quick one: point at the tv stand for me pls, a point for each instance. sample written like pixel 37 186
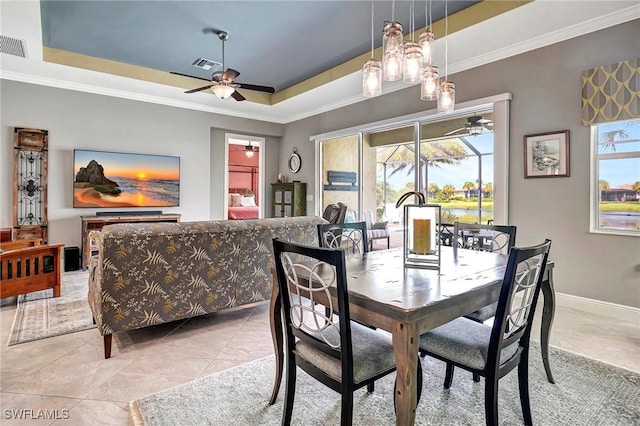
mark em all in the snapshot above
pixel 92 223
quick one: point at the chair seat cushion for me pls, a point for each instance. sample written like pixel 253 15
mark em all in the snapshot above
pixel 376 234
pixel 464 342
pixel 372 354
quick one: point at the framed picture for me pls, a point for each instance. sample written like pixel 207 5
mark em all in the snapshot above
pixel 546 155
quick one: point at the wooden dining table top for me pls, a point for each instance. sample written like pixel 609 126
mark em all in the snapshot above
pixel 379 281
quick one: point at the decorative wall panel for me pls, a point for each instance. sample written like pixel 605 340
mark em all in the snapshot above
pixel 30 152
pixel 611 92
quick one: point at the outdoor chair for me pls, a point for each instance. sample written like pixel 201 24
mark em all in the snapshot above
pixel 342 355
pixel 375 230
pixel 493 351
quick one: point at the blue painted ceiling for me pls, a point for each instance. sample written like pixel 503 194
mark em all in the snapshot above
pixel 271 43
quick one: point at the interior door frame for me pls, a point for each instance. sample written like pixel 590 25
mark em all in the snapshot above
pixel 256 141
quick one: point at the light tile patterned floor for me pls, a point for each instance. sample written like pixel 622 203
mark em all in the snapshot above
pixel 69 372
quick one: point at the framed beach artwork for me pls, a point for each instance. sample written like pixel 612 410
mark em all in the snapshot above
pixel 546 154
pixel 118 179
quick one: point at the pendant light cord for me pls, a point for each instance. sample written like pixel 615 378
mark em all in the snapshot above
pixel 372 6
pixel 446 41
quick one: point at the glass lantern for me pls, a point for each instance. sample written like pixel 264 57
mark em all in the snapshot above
pixel 421 242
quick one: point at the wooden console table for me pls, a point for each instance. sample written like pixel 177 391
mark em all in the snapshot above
pixel 92 223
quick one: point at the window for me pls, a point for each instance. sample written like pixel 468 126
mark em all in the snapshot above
pixel 615 186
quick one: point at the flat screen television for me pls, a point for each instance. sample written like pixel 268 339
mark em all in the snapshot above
pixel 118 179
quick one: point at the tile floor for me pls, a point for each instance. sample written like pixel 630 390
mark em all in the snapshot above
pixel 70 373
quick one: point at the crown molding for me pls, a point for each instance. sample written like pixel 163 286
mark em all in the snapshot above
pixel 116 93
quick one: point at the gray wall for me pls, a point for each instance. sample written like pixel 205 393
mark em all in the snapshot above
pixel 87 121
pixel 546 89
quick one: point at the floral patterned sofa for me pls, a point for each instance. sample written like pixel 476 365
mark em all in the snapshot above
pixel 152 273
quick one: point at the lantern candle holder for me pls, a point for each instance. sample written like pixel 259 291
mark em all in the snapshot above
pixel 420 228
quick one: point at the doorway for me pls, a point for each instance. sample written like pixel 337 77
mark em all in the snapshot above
pixel 244 177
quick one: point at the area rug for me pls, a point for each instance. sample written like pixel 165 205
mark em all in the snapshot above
pixel 587 392
pixel 40 315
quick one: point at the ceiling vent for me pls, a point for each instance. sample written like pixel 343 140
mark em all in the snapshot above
pixel 207 64
pixel 13 46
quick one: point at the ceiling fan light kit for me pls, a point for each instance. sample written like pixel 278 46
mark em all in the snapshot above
pixel 222 90
pixel 223 84
pixel 249 150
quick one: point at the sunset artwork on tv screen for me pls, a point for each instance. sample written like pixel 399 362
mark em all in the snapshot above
pixel 115 179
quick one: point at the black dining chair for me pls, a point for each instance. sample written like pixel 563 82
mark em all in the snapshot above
pixel 342 355
pixel 493 238
pixel 493 351
pixel 351 237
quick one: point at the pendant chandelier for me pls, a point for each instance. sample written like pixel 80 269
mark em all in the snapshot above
pixel 410 61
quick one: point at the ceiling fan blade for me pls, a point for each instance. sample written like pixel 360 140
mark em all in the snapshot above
pixel 198 89
pixel 187 75
pixel 230 74
pixel 455 131
pixel 256 87
pixel 237 96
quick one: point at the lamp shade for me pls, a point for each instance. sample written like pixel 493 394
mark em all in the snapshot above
pixel 412 62
pixel 249 150
pixel 372 78
pixel 222 90
pixel 446 97
pixel 392 51
pixel 430 82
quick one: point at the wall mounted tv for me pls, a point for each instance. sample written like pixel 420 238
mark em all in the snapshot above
pixel 117 179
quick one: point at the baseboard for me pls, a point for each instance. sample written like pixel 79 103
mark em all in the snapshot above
pixel 613 310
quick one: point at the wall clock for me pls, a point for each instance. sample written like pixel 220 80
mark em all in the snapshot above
pixel 295 162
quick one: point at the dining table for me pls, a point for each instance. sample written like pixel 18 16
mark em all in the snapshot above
pixel 408 301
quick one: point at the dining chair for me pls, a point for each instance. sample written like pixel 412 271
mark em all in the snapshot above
pixel 352 237
pixel 342 355
pixel 493 351
pixel 493 238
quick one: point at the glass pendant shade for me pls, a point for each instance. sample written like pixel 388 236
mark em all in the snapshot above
pixel 446 97
pixel 412 62
pixel 426 44
pixel 222 91
pixel 430 82
pixel 392 51
pixel 372 78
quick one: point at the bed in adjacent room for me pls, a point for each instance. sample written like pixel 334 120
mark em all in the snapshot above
pixel 242 204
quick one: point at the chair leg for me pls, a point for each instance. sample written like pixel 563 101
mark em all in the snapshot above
pixel 371 387
pixel 388 246
pixel 476 377
pixel 491 400
pixel 289 391
pixel 523 385
pixel 346 417
pixel 448 377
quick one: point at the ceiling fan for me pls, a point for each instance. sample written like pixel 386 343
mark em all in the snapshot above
pixel 223 84
pixel 475 126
